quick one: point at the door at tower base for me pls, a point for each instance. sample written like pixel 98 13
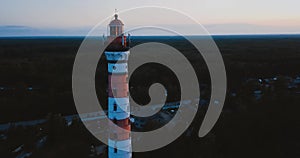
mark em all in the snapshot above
pixel 119 149
pixel 115 153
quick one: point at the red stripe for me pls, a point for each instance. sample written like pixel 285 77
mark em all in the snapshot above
pixel 117 133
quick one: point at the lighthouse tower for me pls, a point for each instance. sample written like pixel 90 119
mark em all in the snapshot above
pixel 117 54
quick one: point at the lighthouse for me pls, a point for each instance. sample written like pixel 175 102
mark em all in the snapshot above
pixel 117 54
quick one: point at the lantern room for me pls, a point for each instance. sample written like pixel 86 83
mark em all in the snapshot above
pixel 116 27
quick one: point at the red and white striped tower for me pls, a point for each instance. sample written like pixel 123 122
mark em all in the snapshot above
pixel 117 54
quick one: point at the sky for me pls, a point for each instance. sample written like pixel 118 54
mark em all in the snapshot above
pixel 218 16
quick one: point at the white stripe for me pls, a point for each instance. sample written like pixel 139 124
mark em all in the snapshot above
pixel 120 144
pixel 116 56
pixel 122 104
pixel 117 68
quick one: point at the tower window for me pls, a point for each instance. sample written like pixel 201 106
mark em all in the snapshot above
pixel 115 107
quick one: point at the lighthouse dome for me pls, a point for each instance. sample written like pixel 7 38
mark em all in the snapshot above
pixel 116 27
pixel 116 21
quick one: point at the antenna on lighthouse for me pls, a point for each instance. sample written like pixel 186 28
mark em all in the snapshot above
pixel 116 14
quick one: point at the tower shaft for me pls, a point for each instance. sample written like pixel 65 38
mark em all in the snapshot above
pixel 117 54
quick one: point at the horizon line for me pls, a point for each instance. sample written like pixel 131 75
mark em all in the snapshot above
pixel 225 34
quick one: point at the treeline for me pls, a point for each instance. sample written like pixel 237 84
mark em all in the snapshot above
pixel 36 73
